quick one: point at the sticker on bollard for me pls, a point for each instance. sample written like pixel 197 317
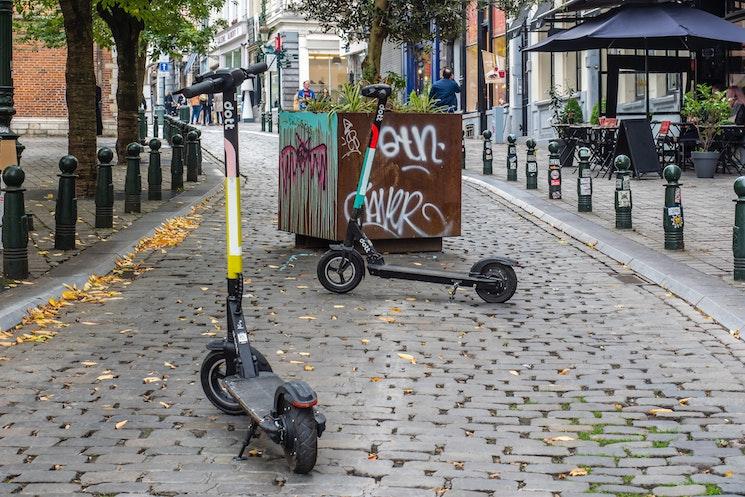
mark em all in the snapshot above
pixel 584 181
pixel 672 216
pixel 486 155
pixel 554 171
pixel 15 229
pixel 623 204
pixel 66 210
pixel 531 167
pixel 104 190
pixel 511 158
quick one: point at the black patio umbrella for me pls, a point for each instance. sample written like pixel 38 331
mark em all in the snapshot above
pixel 662 26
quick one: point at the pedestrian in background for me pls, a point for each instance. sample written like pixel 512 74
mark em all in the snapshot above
pixel 99 109
pixel 444 90
pixel 206 101
pixel 303 96
pixel 218 107
pixel 169 105
pixel 196 109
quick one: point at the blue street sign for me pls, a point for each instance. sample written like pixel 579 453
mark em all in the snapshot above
pixel 164 66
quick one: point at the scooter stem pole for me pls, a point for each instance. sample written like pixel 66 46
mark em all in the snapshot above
pixel 359 199
pixel 232 186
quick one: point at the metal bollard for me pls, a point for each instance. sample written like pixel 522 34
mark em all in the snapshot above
pixel 463 150
pixel 177 164
pixel 487 155
pixel 738 232
pixel 199 152
pixel 15 229
pixel 183 113
pixel 269 117
pixel 133 181
pixel 66 211
pixel 154 174
pixel 142 119
pixel 531 167
pixel 672 216
pixel 584 181
pixel 104 190
pixel 622 201
pixel 19 152
pixel 554 171
pixel 263 121
pixel 191 157
pixel 511 158
pixel 155 125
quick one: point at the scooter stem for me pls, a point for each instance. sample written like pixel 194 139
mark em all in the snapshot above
pixel 359 199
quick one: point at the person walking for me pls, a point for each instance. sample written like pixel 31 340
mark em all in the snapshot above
pixel 218 107
pixel 303 96
pixel 444 90
pixel 206 102
pixel 196 109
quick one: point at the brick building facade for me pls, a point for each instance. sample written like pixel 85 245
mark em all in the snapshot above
pixel 39 94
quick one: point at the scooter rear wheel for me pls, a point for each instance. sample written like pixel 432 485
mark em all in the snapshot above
pixel 505 286
pixel 213 372
pixel 340 271
pixel 300 440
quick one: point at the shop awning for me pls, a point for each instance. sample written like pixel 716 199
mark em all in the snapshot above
pixel 664 26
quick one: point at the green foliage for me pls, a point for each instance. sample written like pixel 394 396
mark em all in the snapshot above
pixel 350 99
pixel 595 116
pixel 572 112
pixel 422 103
pixel 707 110
pixel 566 110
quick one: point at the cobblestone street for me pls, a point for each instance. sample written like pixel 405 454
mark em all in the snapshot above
pixel 590 382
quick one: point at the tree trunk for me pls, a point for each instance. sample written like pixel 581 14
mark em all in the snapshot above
pixel 126 31
pixel 371 64
pixel 80 93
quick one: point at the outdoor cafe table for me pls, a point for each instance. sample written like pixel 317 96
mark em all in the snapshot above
pixel 729 140
pixel 600 140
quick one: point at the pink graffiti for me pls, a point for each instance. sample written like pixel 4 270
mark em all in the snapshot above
pixel 294 160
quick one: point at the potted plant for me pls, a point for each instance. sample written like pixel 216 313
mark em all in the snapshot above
pixel 566 110
pixel 707 110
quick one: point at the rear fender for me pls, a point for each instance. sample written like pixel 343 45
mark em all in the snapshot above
pixel 478 266
pixel 218 345
pixel 297 393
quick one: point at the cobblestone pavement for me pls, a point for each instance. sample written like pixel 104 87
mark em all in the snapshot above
pixel 707 205
pixel 40 163
pixel 589 383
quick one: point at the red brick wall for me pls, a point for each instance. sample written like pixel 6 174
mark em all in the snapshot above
pixel 39 80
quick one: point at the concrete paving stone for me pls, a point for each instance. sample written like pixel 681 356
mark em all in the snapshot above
pixel 680 491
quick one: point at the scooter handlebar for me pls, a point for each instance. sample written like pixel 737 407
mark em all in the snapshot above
pixel 215 81
pixel 255 69
pixel 206 86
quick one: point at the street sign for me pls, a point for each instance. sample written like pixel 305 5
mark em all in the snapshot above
pixel 164 66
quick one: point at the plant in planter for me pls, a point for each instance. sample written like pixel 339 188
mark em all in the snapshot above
pixel 707 110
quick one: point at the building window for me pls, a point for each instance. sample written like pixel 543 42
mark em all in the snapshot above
pixel 472 58
pixel 327 72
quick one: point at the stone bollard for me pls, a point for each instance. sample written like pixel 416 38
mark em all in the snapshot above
pixel 104 190
pixel 462 149
pixel 199 152
pixel 584 181
pixel 177 164
pixel 511 158
pixel 154 174
pixel 191 157
pixel 142 121
pixel 66 211
pixel 623 202
pixel 531 167
pixel 672 217
pixel 738 232
pixel 133 181
pixel 15 229
pixel 487 155
pixel 554 171
pixel 155 125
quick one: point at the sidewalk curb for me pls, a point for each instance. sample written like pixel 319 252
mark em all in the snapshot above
pixel 100 258
pixel 709 294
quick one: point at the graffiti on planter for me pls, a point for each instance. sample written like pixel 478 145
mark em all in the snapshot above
pixel 307 174
pixel 349 140
pixel 397 210
pixel 415 144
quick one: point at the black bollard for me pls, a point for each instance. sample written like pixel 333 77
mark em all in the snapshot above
pixel 623 203
pixel 15 230
pixel 511 158
pixel 199 152
pixel 104 190
pixel 167 129
pixel 177 164
pixel 738 231
pixel 190 151
pixel 672 216
pixel 531 167
pixel 154 174
pixel 133 181
pixel 142 121
pixel 554 171
pixel 584 181
pixel 155 125
pixel 486 155
pixel 462 149
pixel 66 211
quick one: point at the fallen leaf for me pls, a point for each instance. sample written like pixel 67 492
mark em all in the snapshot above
pixel 88 323
pixel 458 464
pixel 255 453
pixel 376 379
pixel 658 410
pixel 514 373
pixel 728 474
pixel 407 357
pixel 387 319
pixel 338 306
pixel 308 367
pixel 105 377
pixel 304 354
pixel 564 371
pixel 408 391
pixel 684 402
pixel 395 309
pixel 120 424
pixel 204 288
pixel 578 472
pixel 364 341
pixel 309 318
pixel 280 352
pixel 372 456
pixel 88 364
pixel 561 438
pixel 296 362
pixel 169 365
pixel 166 404
pixel 150 379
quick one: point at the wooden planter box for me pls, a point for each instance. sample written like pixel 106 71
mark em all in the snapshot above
pixel 414 194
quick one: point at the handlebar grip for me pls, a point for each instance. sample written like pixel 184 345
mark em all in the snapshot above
pixel 207 86
pixel 256 68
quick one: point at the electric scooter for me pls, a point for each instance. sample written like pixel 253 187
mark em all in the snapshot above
pixel 236 377
pixel 342 268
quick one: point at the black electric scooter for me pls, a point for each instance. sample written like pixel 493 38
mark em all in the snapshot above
pixel 342 268
pixel 236 377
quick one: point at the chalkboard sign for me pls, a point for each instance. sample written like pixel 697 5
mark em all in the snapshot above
pixel 636 141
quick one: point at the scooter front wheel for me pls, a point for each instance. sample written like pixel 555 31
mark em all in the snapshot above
pixel 300 440
pixel 340 271
pixel 213 372
pixel 504 285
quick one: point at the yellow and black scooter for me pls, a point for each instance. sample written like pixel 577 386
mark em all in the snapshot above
pixel 237 378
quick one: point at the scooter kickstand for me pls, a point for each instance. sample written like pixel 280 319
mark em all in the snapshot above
pixel 249 435
pixel 453 289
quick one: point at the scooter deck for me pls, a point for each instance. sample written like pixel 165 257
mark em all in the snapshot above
pixel 255 395
pixel 429 275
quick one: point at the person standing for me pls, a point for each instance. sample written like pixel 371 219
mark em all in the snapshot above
pixel 303 96
pixel 169 105
pixel 196 109
pixel 99 109
pixel 444 90
pixel 204 100
pixel 218 107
